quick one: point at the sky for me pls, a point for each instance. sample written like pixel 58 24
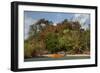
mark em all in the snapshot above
pixel 31 17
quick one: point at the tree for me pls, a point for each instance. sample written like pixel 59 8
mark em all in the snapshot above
pixel 67 36
pixel 85 40
pixel 52 43
pixel 65 41
pixel 76 42
pixel 28 48
pixel 38 26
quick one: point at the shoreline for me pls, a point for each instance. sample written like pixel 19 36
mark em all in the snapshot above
pixel 76 55
pixel 68 57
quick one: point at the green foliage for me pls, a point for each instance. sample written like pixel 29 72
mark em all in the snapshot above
pixel 28 48
pixel 52 43
pixel 65 43
pixel 85 40
pixel 67 36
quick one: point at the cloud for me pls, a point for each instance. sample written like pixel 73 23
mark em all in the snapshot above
pixel 84 20
pixel 27 22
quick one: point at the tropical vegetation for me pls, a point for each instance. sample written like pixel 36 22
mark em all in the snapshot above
pixel 46 38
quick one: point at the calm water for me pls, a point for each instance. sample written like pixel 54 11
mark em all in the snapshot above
pixel 63 58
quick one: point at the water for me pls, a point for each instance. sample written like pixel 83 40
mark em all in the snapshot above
pixel 50 59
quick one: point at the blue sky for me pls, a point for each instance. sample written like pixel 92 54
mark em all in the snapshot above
pixel 31 17
pixel 54 16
